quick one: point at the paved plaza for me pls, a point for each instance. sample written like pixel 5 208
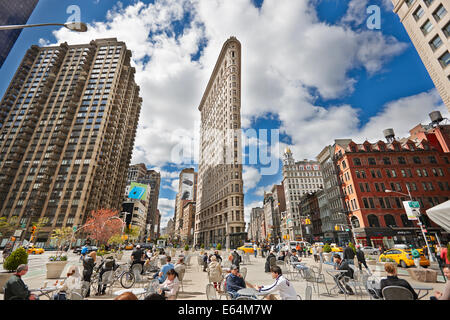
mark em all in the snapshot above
pixel 195 280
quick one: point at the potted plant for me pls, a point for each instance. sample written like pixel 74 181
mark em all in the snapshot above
pixel 327 255
pixel 186 247
pixel 57 263
pixel 16 258
pixel 219 247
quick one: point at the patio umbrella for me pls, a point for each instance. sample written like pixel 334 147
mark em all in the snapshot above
pixel 440 214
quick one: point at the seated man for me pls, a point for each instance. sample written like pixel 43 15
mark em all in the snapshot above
pixel 339 278
pixel 16 289
pixel 295 261
pixel 161 276
pixel 393 280
pixel 446 294
pixel 281 284
pixel 235 282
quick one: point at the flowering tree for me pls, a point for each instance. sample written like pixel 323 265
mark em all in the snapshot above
pixel 102 225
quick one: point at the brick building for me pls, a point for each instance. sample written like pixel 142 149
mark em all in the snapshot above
pixel 309 208
pixel 366 170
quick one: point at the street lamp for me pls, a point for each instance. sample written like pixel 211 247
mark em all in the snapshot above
pixel 74 26
pixel 419 223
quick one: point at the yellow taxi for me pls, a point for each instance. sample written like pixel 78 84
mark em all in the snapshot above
pixel 335 248
pixel 34 250
pixel 247 248
pixel 403 257
pixel 129 246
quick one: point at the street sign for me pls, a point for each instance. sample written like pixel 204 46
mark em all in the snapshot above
pixel 412 209
pixel 18 233
pixel 23 225
pixel 74 228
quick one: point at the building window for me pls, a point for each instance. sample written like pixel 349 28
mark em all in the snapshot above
pixel 428 2
pixel 389 220
pixel 416 160
pixel 439 13
pixel 447 30
pixel 401 160
pixel 356 161
pixel 409 3
pixel 444 60
pixel 372 161
pixel 426 27
pixel 405 221
pixel 386 160
pixel 373 221
pixel 435 43
pixel 418 13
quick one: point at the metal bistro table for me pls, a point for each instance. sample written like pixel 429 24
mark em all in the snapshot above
pixel 47 291
pixel 333 273
pixel 250 292
pixel 420 288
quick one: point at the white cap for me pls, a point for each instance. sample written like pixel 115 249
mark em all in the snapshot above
pixel 138 246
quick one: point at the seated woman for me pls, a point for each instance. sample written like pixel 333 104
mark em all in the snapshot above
pixel 170 287
pixel 71 284
pixel 215 272
pixel 393 280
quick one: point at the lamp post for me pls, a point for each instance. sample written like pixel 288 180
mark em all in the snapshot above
pixel 74 26
pixel 419 222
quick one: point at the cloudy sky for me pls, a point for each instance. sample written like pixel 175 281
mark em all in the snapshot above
pixel 311 69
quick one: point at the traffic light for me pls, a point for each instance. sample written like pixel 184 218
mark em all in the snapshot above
pixel 33 229
pixel 336 227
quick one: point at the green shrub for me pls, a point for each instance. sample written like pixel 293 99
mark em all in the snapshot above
pixel 57 258
pixel 202 246
pixel 327 248
pixel 17 257
pixel 351 245
pixel 219 246
pixel 383 259
pixel 186 248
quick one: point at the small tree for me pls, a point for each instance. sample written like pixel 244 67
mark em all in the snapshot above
pixel 116 240
pixel 61 236
pixel 351 245
pixel 102 224
pixel 17 257
pixel 327 248
pixel 202 246
pixel 219 246
pixel 38 224
pixel 186 247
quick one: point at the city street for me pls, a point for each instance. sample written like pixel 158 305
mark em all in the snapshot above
pixel 195 280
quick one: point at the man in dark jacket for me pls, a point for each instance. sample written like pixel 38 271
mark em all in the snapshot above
pixel 236 259
pixel 205 261
pixel 272 257
pixel 15 288
pixel 348 254
pixel 361 258
pixel 341 278
pixel 88 269
pixel 219 258
pixel 235 282
pixel 136 255
pixel 109 264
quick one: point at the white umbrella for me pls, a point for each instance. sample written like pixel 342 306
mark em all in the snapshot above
pixel 440 214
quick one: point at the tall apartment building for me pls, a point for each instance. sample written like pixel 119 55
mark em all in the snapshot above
pixel 331 198
pixel 186 197
pixel 13 13
pixel 299 177
pixel 274 206
pixel 367 170
pixel 255 232
pixel 428 25
pixel 70 116
pixel 220 198
pixel 140 174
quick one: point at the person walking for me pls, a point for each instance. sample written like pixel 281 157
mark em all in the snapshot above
pixel 205 261
pixel 348 254
pixel 88 269
pixel 255 249
pixel 270 256
pixel 15 288
pixel 136 257
pixel 84 251
pixel 236 259
pixel 314 250
pixel 361 259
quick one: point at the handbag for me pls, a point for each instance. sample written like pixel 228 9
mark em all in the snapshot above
pixel 60 296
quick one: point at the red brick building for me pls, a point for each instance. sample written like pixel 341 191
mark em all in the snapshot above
pixel 366 170
pixel 309 207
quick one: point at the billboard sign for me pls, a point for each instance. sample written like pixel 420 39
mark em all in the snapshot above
pixel 187 186
pixel 412 209
pixel 138 191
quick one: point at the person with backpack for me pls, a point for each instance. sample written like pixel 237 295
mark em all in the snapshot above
pixel 109 264
pixel 416 256
pixel 361 258
pixel 236 259
pixel 88 268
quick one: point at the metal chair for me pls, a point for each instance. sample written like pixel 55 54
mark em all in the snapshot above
pixel 200 262
pixel 85 288
pixel 75 296
pixel 308 293
pixel 108 280
pixel 243 272
pixel 246 298
pixel 396 293
pixel 211 292
pixel 223 290
pixel 136 269
pixel 181 270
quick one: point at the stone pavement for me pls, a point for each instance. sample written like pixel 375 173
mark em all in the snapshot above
pixel 195 280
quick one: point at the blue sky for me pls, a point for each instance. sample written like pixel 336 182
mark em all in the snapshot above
pixel 311 69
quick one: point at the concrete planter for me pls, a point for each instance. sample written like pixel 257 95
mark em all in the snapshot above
pixel 4 276
pixel 55 268
pixel 328 256
pixel 371 262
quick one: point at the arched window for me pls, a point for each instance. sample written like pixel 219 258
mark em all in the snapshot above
pixel 355 222
pixel 389 220
pixel 373 221
pixel 405 221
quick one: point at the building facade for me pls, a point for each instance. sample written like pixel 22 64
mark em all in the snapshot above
pixel 274 206
pixel 367 170
pixel 331 199
pixel 311 224
pixel 428 25
pixel 255 232
pixel 220 197
pixel 13 13
pixel 299 177
pixel 186 197
pixel 70 118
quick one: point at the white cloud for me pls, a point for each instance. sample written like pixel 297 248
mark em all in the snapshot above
pixel 248 209
pixel 356 12
pixel 251 177
pixel 166 208
pixel 289 58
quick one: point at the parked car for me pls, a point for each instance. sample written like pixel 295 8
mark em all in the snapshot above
pixel 129 246
pixel 403 257
pixel 146 245
pixel 247 248
pixel 34 250
pixel 89 249
pixel 370 250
